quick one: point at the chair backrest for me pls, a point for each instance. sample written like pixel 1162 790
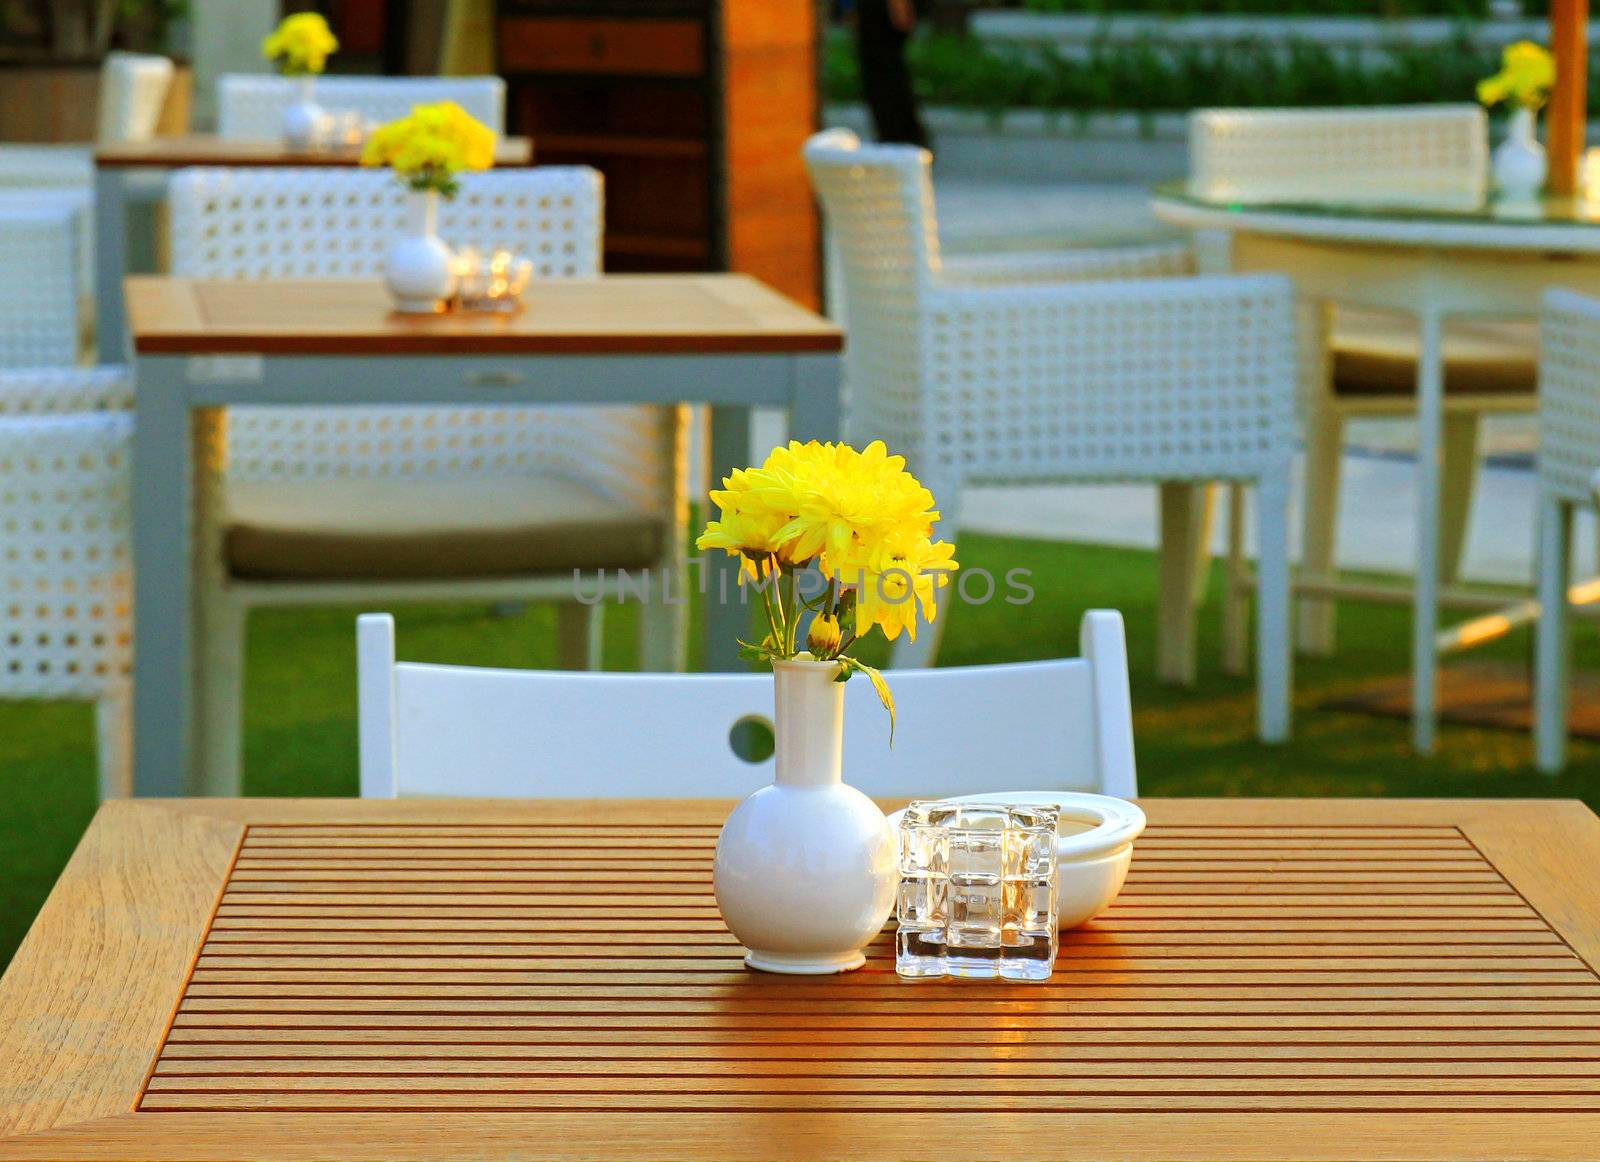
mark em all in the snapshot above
pixel 883 248
pixel 250 107
pixel 51 391
pixel 338 223
pixel 1399 154
pixel 133 88
pixel 39 293
pixel 1569 395
pixel 65 577
pixel 458 730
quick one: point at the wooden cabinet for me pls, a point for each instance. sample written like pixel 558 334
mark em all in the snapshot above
pixel 695 111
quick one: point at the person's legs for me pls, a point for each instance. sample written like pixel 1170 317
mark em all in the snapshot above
pixel 885 79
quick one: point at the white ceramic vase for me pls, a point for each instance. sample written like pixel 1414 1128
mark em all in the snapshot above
pixel 304 120
pixel 418 269
pixel 1519 161
pixel 806 868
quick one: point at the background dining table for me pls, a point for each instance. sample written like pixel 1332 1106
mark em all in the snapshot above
pixel 134 173
pixel 724 340
pixel 338 979
pixel 1436 264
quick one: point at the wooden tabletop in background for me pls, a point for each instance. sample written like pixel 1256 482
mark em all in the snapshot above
pixel 611 315
pixel 443 979
pixel 209 149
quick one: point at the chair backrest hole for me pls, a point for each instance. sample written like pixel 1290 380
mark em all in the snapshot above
pixel 751 738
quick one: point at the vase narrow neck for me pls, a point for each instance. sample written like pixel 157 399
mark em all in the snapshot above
pixel 308 88
pixel 422 212
pixel 1524 121
pixel 809 724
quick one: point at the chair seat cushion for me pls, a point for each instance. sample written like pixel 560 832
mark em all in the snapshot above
pixel 1376 354
pixel 332 530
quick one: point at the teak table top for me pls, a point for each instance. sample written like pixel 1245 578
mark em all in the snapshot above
pixel 442 979
pixel 613 314
pixel 209 149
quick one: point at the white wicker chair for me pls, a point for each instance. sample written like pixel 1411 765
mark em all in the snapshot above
pixel 464 730
pixel 1385 155
pixel 65 581
pixel 1396 156
pixel 1569 478
pixel 39 301
pixel 1091 370
pixel 133 88
pixel 251 107
pixel 300 486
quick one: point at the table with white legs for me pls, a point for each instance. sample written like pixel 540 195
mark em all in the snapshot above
pixel 722 340
pixel 131 175
pixel 1436 265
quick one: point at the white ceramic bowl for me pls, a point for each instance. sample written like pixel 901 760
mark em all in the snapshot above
pixel 1093 851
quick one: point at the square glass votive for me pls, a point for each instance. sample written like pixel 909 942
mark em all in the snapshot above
pixel 977 894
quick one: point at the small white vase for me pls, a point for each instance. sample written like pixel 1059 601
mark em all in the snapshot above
pixel 1519 161
pixel 418 269
pixel 304 121
pixel 806 868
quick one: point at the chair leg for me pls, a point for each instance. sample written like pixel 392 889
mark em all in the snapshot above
pixel 1236 598
pixel 219 687
pixel 1186 512
pixel 1324 456
pixel 1456 483
pixel 1550 642
pixel 580 631
pixel 113 724
pixel 1274 655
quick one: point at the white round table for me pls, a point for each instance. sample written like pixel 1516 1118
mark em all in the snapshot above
pixel 1433 263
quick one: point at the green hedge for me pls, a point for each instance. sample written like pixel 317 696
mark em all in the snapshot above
pixel 1458 8
pixel 1152 76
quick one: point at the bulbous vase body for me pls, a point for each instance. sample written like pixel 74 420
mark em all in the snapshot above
pixel 304 121
pixel 806 868
pixel 419 269
pixel 1519 160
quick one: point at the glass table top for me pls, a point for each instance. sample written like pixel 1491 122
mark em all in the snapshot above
pixel 1489 211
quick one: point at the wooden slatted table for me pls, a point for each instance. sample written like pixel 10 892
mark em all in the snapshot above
pixel 446 979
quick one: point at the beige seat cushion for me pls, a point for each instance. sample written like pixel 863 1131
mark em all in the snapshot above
pixel 332 530
pixel 1376 354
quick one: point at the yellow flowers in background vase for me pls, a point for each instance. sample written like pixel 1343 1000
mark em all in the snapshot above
pixel 301 46
pixel 1527 73
pixel 426 150
pixel 840 542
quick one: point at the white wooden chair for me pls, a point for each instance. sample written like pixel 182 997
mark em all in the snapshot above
pixel 250 107
pixel 464 731
pixel 312 505
pixel 1428 155
pixel 1090 366
pixel 1569 479
pixel 65 576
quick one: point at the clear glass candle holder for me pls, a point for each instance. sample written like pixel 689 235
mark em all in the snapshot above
pixel 977 896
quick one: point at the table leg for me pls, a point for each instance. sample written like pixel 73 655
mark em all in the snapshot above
pixel 727 614
pixel 1425 610
pixel 162 478
pixel 816 407
pixel 110 242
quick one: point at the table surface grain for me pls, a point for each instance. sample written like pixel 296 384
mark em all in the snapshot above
pixel 441 979
pixel 610 315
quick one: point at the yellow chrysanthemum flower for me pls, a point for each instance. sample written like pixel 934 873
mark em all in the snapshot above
pixel 302 44
pixel 1527 73
pixel 428 147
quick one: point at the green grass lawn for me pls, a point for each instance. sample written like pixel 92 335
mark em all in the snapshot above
pixel 300 733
